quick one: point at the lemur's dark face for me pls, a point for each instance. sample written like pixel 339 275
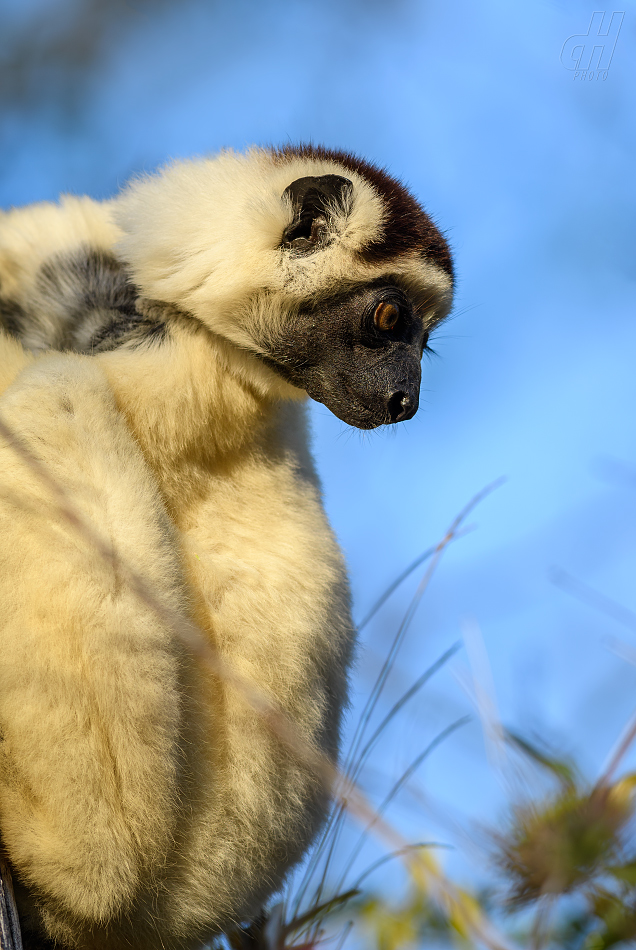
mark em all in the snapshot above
pixel 358 353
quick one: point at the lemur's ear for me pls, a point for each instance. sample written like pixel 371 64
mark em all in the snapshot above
pixel 312 198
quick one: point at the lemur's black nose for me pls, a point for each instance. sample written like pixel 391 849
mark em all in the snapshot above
pixel 401 406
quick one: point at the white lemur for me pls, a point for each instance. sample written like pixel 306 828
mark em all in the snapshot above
pixel 156 351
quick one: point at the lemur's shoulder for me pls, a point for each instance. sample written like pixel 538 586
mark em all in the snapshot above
pixel 33 234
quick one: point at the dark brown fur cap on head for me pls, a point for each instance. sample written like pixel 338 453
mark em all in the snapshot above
pixel 407 227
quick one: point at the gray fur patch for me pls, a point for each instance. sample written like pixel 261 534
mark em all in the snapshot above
pixel 84 302
pixel 12 317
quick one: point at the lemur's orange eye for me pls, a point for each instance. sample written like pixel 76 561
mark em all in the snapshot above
pixel 386 316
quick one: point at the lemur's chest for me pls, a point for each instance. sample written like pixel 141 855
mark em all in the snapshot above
pixel 258 546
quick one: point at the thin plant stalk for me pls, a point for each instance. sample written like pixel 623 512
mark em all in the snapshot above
pixel 403 779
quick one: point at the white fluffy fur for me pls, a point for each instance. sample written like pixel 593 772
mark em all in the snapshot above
pixel 131 781
pixel 142 802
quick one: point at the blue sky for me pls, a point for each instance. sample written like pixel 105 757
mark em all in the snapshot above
pixel 530 172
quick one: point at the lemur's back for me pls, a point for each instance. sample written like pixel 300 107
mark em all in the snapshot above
pixel 180 850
